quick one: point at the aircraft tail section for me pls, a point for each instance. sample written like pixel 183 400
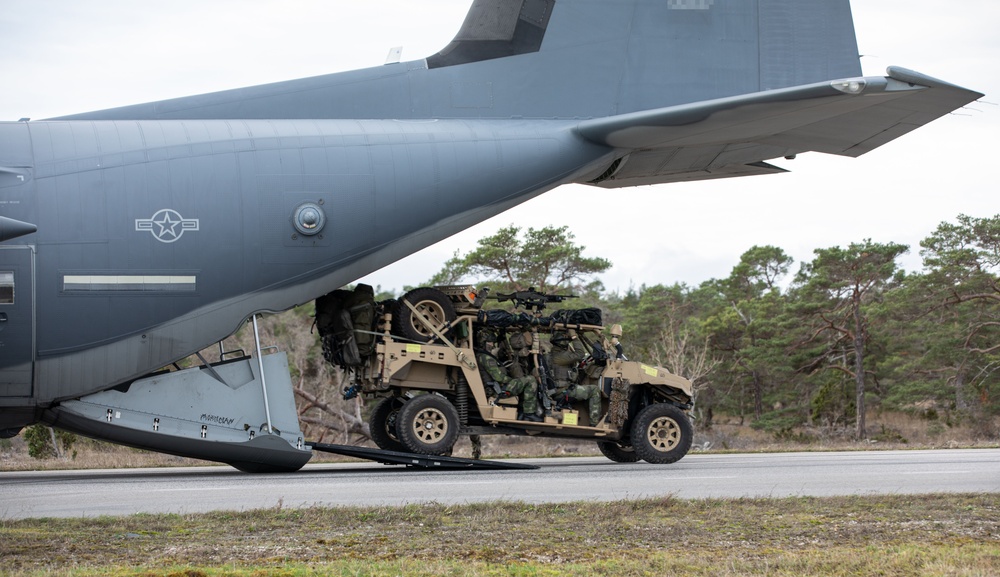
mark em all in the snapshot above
pixel 565 59
pixel 600 57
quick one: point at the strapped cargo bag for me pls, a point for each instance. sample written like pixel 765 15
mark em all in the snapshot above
pixel 502 319
pixel 587 316
pixel 361 306
pixel 345 321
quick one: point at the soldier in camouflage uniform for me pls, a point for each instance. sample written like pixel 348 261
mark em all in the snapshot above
pixel 514 353
pixel 492 372
pixel 563 361
pixel 520 349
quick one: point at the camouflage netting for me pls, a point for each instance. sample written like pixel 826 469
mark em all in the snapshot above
pixel 618 411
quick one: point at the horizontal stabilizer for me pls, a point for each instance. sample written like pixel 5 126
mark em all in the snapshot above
pixel 846 117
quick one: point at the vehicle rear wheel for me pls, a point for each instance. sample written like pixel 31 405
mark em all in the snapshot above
pixel 431 305
pixel 617 453
pixel 661 434
pixel 382 424
pixel 428 424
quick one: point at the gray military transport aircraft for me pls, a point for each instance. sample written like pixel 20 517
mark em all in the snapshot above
pixel 133 237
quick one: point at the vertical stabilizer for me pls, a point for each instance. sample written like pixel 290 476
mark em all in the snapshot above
pixel 805 42
pixel 600 57
pixel 683 51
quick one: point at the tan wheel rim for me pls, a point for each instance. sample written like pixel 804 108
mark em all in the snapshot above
pixel 430 426
pixel 431 312
pixel 664 434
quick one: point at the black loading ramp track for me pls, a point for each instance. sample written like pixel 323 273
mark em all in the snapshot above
pixel 415 459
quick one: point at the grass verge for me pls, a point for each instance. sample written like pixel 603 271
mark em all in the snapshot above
pixel 877 535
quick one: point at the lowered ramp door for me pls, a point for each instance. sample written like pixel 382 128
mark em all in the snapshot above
pixel 17 321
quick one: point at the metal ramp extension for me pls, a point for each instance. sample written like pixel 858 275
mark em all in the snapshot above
pixel 415 459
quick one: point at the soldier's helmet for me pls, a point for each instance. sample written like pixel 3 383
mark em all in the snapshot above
pixel 485 338
pixel 560 339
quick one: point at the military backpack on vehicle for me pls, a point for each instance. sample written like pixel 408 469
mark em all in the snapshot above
pixel 345 321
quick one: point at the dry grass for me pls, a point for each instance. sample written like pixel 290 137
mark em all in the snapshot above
pixel 892 535
pixel 886 431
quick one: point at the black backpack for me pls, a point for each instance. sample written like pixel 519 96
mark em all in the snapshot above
pixel 587 316
pixel 345 321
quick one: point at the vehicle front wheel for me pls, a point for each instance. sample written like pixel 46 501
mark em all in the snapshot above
pixel 617 453
pixel 382 424
pixel 428 424
pixel 661 434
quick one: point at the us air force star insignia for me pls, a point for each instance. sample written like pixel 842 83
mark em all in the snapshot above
pixel 167 225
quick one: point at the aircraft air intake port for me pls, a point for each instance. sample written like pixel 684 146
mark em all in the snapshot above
pixel 308 218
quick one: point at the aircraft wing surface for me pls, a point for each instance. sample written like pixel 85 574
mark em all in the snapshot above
pixel 732 136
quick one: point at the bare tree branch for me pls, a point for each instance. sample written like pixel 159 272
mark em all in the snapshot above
pixel 361 430
pixel 352 423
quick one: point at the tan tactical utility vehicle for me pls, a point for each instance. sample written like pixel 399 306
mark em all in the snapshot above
pixel 422 364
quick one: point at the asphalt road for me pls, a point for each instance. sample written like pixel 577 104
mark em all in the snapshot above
pixel 191 490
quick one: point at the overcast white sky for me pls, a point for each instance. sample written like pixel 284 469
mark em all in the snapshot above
pixel 63 56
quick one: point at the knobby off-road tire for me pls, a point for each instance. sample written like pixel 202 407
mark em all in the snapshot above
pixel 382 424
pixel 431 304
pixel 428 424
pixel 617 453
pixel 661 434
